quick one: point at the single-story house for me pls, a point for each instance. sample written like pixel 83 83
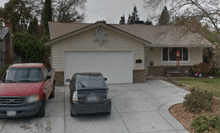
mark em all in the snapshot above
pixel 122 53
pixel 6 49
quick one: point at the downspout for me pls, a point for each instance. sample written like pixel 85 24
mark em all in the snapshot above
pixel 147 60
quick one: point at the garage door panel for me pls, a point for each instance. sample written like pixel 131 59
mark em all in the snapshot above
pixel 117 67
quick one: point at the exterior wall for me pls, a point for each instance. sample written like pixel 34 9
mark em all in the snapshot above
pixel 195 57
pixel 139 76
pixel 2 56
pixel 9 55
pixel 160 70
pixel 83 42
pixel 59 78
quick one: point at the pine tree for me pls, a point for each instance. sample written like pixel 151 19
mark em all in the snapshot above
pixel 47 15
pixel 164 17
pixel 34 28
pixel 148 22
pixel 134 17
pixel 122 21
pixel 129 17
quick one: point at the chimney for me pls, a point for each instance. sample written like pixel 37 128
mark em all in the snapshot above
pixel 8 24
pixel 10 55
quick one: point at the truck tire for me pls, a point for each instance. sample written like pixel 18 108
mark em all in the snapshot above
pixel 52 95
pixel 41 112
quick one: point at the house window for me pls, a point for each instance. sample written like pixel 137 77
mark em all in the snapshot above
pixel 169 54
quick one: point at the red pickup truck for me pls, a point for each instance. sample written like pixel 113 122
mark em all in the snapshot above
pixel 24 90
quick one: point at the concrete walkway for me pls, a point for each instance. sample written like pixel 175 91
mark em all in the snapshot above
pixel 136 108
pixel 144 107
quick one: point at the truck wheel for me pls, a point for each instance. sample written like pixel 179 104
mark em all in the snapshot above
pixel 52 95
pixel 41 112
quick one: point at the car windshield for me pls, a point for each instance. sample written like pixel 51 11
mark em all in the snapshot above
pixel 87 82
pixel 23 75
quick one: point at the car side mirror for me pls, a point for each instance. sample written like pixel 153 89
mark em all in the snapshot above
pixel 105 79
pixel 48 77
pixel 68 80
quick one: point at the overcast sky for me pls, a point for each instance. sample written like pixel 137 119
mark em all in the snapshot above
pixel 110 10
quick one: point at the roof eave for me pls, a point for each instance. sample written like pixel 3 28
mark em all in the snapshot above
pixel 182 45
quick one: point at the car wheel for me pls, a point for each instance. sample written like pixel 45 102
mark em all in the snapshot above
pixel 108 113
pixel 41 112
pixel 71 113
pixel 52 95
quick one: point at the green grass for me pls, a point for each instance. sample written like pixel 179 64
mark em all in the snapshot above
pixel 203 84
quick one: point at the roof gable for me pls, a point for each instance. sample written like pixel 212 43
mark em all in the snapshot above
pixel 79 28
pixel 171 36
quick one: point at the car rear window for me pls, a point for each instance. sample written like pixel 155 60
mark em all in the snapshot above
pixel 87 82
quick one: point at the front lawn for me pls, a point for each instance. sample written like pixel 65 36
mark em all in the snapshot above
pixel 203 84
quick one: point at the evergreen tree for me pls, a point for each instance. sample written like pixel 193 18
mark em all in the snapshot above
pixel 47 15
pixel 34 28
pixel 129 17
pixel 122 21
pixel 28 47
pixel 148 22
pixel 164 17
pixel 134 17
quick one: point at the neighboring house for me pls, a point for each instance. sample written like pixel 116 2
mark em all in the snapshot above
pixel 122 53
pixel 6 51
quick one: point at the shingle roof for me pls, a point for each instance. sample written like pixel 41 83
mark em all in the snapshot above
pixel 3 32
pixel 172 36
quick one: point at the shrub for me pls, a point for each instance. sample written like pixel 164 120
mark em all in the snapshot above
pixel 29 47
pixel 192 88
pixel 207 68
pixel 180 83
pixel 202 68
pixel 205 123
pixel 214 72
pixel 196 101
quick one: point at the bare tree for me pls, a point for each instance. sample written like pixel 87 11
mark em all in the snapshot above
pixel 197 15
pixel 66 10
pixel 208 11
pixel 205 11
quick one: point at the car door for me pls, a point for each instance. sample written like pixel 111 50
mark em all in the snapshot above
pixel 48 88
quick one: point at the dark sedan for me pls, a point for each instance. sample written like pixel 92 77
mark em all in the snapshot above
pixel 89 94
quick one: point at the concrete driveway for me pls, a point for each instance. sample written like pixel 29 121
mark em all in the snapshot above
pixel 136 108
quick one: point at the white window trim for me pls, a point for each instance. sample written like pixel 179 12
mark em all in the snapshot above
pixel 169 55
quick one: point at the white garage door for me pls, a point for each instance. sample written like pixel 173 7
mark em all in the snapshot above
pixel 117 67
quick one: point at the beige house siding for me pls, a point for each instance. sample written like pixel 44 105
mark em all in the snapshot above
pixel 195 57
pixel 84 42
